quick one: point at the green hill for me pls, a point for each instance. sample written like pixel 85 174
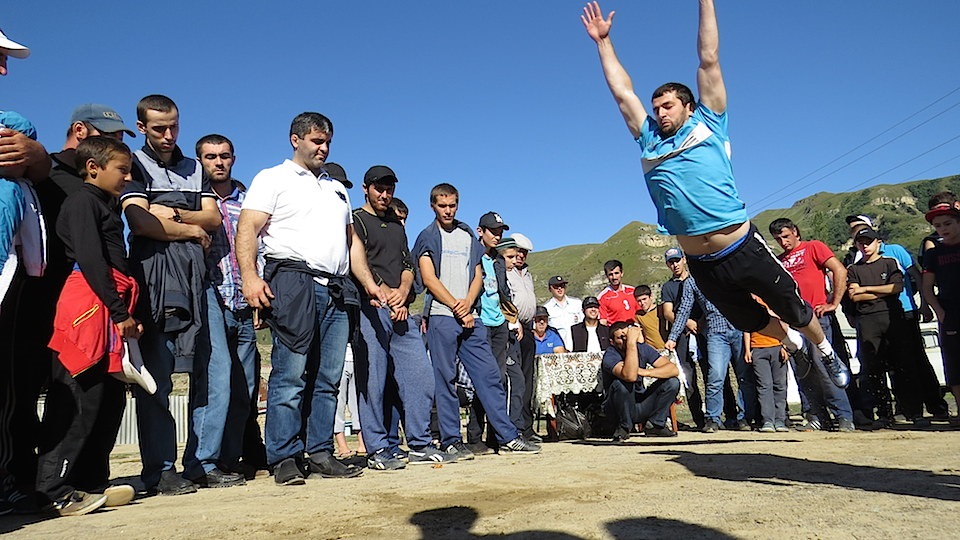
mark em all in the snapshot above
pixel 897 210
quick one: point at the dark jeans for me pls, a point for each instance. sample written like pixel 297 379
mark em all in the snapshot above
pixel 80 425
pixel 771 376
pixel 822 396
pixel 629 408
pixel 506 349
pixel 528 349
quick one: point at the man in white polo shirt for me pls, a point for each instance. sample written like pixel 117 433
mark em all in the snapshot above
pixel 306 295
pixel 565 311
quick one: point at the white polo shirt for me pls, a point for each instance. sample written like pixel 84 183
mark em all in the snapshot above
pixel 563 316
pixel 308 217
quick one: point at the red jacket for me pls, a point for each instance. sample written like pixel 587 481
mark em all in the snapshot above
pixel 82 329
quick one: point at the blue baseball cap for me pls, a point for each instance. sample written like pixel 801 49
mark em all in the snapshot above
pixel 672 254
pixel 105 119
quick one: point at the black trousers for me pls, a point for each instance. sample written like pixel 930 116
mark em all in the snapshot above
pixel 883 348
pixel 80 423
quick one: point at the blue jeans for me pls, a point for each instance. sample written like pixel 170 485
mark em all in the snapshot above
pixel 322 367
pixel 244 384
pixel 447 340
pixel 209 392
pixel 392 350
pixel 815 384
pixel 721 349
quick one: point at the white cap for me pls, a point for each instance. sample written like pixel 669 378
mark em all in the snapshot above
pixel 12 48
pixel 522 241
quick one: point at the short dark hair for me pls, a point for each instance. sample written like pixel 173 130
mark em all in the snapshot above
pixel 399 206
pixel 100 149
pixel 944 197
pixel 780 224
pixel 619 325
pixel 611 264
pixel 213 138
pixel 154 102
pixel 443 189
pixel 305 122
pixel 684 94
pixel 641 290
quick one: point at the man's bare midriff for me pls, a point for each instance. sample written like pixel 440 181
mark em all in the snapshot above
pixel 713 242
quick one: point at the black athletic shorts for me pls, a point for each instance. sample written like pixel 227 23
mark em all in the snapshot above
pixel 751 268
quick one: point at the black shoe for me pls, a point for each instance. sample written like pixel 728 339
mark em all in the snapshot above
pixel 287 473
pixel 711 426
pixel 172 483
pixel 621 435
pixel 355 460
pixel 662 431
pixel 218 479
pixel 479 448
pixel 327 466
pixel 742 425
pixel 519 446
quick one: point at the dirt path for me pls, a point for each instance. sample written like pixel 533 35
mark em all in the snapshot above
pixel 886 484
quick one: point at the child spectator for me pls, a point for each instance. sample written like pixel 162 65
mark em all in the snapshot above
pixel 941 267
pixel 769 360
pixel 85 401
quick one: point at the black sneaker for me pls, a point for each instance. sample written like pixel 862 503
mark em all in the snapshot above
pixel 519 446
pixel 459 450
pixel 402 455
pixel 172 483
pixel 621 435
pixel 218 479
pixel 479 448
pixel 79 503
pixel 383 460
pixel 742 425
pixel 838 371
pixel 327 466
pixel 661 431
pixel 287 473
pixel 22 503
pixel 430 455
pixel 355 460
pixel 711 426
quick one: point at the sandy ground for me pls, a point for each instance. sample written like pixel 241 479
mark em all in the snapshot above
pixel 884 484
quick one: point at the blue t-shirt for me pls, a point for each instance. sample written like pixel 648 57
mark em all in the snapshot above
pixel 689 175
pixel 550 340
pixel 490 314
pixel 905 260
pixel 612 356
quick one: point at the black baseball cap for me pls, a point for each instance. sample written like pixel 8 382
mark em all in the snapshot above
pixel 379 174
pixel 556 280
pixel 590 301
pixel 541 312
pixel 492 220
pixel 866 234
pixel 337 173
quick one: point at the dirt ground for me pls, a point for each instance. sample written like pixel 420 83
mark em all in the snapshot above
pixel 895 483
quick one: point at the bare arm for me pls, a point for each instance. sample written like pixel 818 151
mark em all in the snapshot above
pixel 255 289
pixel 361 270
pixel 663 368
pixel 838 277
pixel 143 223
pixel 627 370
pixel 208 217
pixel 621 86
pixel 929 279
pixel 710 85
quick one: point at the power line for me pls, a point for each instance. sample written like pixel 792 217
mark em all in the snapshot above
pixel 847 153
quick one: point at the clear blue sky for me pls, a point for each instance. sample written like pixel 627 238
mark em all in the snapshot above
pixel 506 100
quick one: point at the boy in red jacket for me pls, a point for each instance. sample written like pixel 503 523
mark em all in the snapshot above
pixel 85 401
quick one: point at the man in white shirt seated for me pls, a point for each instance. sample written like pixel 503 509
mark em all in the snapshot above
pixel 590 335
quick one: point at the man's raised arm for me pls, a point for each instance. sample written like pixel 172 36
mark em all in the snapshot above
pixel 618 80
pixel 710 86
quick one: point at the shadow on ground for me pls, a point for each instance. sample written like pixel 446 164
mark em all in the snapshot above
pixel 455 522
pixel 773 469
